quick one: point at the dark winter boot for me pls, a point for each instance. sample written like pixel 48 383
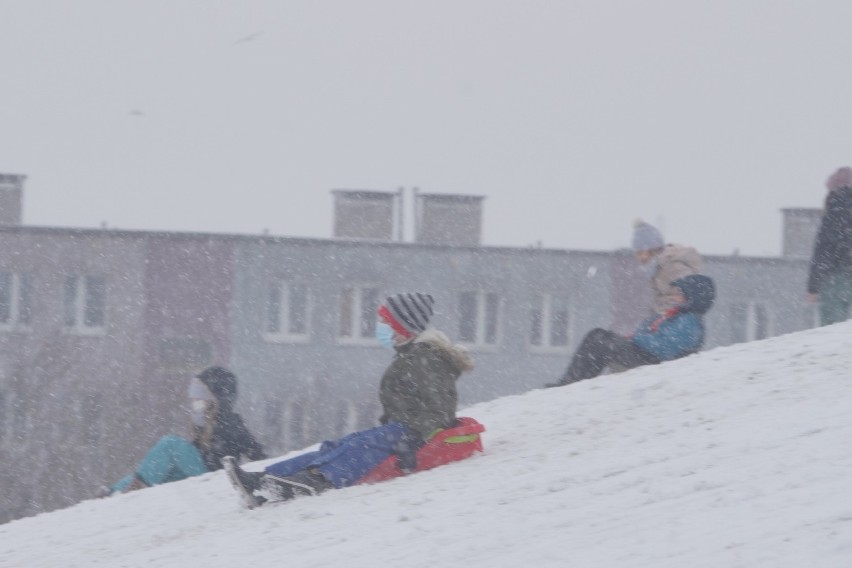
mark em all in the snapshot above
pixel 248 479
pixel 308 482
pixel 244 482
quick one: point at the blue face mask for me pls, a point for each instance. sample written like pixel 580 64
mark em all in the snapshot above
pixel 384 333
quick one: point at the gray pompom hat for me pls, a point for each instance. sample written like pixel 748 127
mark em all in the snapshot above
pixel 646 237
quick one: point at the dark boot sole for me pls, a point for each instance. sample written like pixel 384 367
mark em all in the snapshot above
pixel 247 497
pixel 290 488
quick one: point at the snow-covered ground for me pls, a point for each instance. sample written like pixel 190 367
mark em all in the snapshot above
pixel 740 456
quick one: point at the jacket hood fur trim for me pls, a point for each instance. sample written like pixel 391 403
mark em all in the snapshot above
pixel 458 354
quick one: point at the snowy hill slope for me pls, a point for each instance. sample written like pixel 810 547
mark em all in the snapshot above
pixel 736 457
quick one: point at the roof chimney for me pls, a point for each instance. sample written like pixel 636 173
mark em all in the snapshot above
pixel 11 198
pixel 449 219
pixel 361 214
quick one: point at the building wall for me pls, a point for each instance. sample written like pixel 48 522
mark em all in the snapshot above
pixel 800 229
pixel 187 304
pixel 757 298
pixel 70 409
pixel 80 407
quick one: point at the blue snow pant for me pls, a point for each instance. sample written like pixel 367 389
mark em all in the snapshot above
pixel 346 460
pixel 172 458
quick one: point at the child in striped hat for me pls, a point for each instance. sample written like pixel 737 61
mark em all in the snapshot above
pixel 418 396
pixel 402 317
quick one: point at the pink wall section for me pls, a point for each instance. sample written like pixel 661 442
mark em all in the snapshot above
pixel 188 291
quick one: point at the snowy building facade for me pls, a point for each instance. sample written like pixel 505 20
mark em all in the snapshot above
pixel 101 329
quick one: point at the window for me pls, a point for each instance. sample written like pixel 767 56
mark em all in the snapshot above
pixel 85 303
pixel 358 307
pixel 302 426
pixel 287 312
pixel 479 314
pixel 15 300
pixel 749 321
pixel 550 323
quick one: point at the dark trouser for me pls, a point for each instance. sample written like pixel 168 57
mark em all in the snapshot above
pixel 599 348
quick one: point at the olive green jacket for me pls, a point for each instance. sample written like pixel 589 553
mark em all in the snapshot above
pixel 418 389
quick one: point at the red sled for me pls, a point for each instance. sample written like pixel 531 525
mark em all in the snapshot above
pixel 452 444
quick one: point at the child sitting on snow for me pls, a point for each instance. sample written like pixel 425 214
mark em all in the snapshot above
pixel 418 396
pixel 662 337
pixel 217 431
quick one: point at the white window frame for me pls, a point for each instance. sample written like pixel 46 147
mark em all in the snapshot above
pixel 357 334
pixel 347 417
pixel 77 311
pixel 544 303
pixel 479 329
pixel 295 433
pixel 749 322
pixel 18 303
pixel 285 312
pixel 21 420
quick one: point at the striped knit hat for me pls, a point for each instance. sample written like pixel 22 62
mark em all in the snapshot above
pixel 407 314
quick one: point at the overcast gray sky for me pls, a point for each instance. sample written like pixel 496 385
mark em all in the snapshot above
pixel 572 117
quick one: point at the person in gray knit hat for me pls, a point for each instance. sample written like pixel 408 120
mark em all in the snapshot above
pixel 667 267
pixel 646 237
pixel 663 263
pixel 418 396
